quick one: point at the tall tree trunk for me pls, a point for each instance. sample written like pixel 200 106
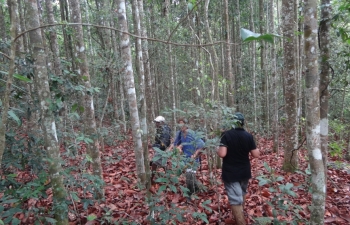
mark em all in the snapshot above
pixel 141 72
pixel 274 90
pixel 318 186
pixel 47 118
pixel 264 77
pixel 238 54
pixel 147 68
pixel 12 66
pixel 228 59
pixel 324 78
pixel 130 86
pixel 253 62
pixel 213 55
pixel 66 36
pixel 89 111
pixel 290 163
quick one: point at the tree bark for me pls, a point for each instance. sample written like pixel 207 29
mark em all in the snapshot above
pixel 89 111
pixel 290 163
pixel 324 78
pixel 12 66
pixel 142 96
pixel 312 95
pixel 264 78
pixel 253 63
pixel 130 87
pixel 213 56
pixel 274 90
pixel 228 59
pixel 146 62
pixel 47 118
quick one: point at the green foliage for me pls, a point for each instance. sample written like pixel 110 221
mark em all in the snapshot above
pixel 280 201
pixel 22 78
pixel 248 36
pixel 17 194
pixel 336 149
pixel 170 184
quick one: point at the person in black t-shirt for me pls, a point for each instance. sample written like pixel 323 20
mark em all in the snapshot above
pixel 161 141
pixel 235 146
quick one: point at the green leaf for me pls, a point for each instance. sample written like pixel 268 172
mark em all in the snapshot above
pixel 162 179
pixel 161 189
pixel 173 188
pixel 91 217
pixel 14 117
pixel 1 222
pixel 9 201
pixel 248 35
pixel 22 78
pixel 15 221
pixel 50 220
pixel 279 178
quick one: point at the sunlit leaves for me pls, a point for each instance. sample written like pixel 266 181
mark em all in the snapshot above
pixel 248 36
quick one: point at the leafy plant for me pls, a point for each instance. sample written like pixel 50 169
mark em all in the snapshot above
pixel 280 203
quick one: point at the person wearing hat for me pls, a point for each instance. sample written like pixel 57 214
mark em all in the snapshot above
pixel 162 141
pixel 190 145
pixel 235 146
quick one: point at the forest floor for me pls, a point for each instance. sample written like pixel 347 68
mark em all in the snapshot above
pixel 126 202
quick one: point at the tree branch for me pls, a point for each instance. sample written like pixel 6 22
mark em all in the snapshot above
pixel 133 35
pixel 8 57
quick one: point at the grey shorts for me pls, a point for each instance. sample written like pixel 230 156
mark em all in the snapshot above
pixel 159 160
pixel 236 191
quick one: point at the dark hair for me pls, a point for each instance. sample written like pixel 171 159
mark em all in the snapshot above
pixel 183 119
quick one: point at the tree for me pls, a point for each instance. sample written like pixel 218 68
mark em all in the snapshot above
pixel 12 66
pixel 141 72
pixel 89 112
pixel 289 74
pixel 312 95
pixel 228 59
pixel 324 78
pixel 129 85
pixel 48 122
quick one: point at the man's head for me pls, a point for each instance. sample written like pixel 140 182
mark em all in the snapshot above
pixel 238 119
pixel 159 120
pixel 182 123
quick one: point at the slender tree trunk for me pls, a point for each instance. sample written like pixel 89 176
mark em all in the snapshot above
pixel 253 62
pixel 264 107
pixel 274 90
pixel 12 66
pixel 291 135
pixel 130 86
pixel 89 111
pixel 228 59
pixel 140 70
pixel 238 53
pixel 324 78
pixel 318 186
pixel 47 118
pixel 148 78
pixel 213 55
pixel 67 37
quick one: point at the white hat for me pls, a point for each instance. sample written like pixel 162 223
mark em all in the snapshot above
pixel 159 119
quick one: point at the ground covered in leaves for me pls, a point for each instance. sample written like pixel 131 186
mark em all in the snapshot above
pixel 272 193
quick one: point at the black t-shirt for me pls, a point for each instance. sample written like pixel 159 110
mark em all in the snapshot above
pixel 162 138
pixel 236 163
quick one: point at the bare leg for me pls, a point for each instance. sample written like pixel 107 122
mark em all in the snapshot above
pixel 237 212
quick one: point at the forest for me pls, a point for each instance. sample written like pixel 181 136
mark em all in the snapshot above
pixel 82 81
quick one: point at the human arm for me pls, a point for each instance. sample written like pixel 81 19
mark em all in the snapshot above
pixel 255 153
pixel 221 151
